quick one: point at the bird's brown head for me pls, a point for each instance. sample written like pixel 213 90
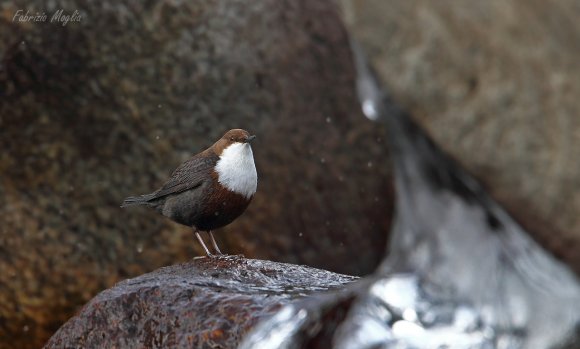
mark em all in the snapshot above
pixel 236 135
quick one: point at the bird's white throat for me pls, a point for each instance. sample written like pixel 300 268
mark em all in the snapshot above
pixel 236 169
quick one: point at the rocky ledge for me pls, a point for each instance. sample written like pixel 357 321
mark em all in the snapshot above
pixel 207 302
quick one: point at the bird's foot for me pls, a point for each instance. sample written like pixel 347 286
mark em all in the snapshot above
pixel 232 256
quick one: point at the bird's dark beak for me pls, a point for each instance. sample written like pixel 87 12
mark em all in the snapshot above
pixel 249 139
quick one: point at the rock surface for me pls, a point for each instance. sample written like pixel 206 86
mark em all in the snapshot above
pixel 107 107
pixel 496 84
pixel 205 303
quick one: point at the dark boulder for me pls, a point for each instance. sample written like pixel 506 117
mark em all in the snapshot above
pixel 107 107
pixel 205 303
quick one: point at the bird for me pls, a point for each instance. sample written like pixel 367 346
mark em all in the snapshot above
pixel 210 190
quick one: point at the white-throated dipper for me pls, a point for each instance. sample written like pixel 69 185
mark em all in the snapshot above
pixel 209 190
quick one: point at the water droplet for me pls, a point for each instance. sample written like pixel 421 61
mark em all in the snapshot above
pixel 328 120
pixel 25 328
pixel 216 213
pixel 300 234
pixel 159 106
pixel 156 137
pixel 369 164
pixel 322 160
pixel 139 248
pixel 369 109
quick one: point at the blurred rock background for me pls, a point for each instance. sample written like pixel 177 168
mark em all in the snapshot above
pixel 107 107
pixel 497 85
pixel 97 110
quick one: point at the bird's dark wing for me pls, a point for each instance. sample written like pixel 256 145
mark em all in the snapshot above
pixel 190 174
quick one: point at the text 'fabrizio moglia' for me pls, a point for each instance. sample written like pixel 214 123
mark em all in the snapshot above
pixel 59 16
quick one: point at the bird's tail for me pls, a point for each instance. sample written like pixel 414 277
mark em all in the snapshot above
pixel 138 200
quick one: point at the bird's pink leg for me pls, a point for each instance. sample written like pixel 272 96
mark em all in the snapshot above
pixel 202 244
pixel 215 246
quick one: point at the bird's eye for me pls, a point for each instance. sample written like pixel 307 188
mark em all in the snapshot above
pixel 232 139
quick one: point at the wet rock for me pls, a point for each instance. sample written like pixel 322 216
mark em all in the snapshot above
pixel 460 272
pixel 99 109
pixel 495 83
pixel 205 303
